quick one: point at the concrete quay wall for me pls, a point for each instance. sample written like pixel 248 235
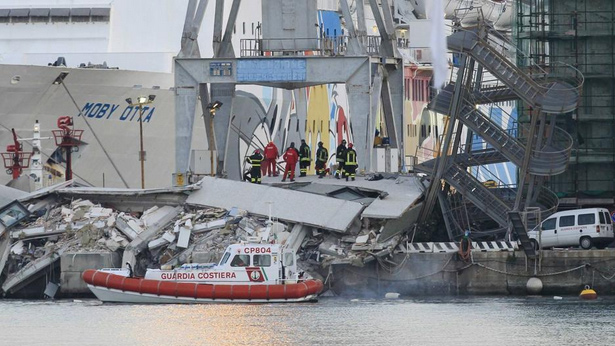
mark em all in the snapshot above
pixel 73 264
pixel 562 272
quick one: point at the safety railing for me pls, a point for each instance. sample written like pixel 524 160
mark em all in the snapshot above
pixel 553 155
pixel 325 46
pixel 505 57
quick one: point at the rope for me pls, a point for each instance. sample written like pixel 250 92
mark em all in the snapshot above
pixel 531 275
pixel 418 277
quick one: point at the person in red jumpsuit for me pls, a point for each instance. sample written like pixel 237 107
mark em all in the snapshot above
pixel 291 156
pixel 271 155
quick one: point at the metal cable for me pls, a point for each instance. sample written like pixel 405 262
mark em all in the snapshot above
pixel 95 136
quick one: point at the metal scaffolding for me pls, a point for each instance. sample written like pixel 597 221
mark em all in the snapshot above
pixel 580 33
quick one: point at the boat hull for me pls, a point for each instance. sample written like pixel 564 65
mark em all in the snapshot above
pixel 109 287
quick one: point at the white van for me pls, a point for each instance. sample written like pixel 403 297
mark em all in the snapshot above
pixel 581 227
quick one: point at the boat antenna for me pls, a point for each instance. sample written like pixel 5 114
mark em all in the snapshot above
pixel 269 204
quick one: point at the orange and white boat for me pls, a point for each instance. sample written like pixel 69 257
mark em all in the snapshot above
pixel 247 273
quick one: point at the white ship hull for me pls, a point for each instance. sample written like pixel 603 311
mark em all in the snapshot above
pixel 101 95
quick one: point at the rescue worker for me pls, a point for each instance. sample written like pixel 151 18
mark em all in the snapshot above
pixel 271 155
pixel 305 157
pixel 350 162
pixel 322 156
pixel 340 155
pixel 255 160
pixel 290 157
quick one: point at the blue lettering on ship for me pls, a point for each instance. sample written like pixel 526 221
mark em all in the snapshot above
pixel 107 111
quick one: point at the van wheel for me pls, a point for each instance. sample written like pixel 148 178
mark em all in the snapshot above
pixel 535 244
pixel 586 243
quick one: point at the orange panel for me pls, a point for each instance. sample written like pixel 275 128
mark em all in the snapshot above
pixel 88 275
pixel 149 286
pixel 241 292
pixel 100 279
pixel 167 288
pixel 259 292
pixel 223 292
pixel 115 281
pixel 277 291
pixel 205 291
pixel 132 285
pixel 186 289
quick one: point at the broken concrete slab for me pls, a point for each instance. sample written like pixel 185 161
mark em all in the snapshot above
pixel 9 194
pixel 297 207
pixel 297 235
pixel 397 226
pixel 184 237
pixel 35 232
pixel 142 240
pixel 208 226
pixel 5 249
pixel 32 270
pixel 122 225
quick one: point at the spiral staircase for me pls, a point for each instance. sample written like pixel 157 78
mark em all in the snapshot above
pixel 540 149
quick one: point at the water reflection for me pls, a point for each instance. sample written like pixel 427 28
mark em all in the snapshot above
pixel 430 321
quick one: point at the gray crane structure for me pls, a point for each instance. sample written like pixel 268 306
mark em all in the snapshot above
pixel 369 66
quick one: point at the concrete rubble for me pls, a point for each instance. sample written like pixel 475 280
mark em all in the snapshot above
pixel 79 234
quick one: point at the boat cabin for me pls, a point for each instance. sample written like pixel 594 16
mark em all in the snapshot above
pixel 247 263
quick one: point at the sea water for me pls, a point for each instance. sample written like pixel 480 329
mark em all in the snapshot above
pixel 331 321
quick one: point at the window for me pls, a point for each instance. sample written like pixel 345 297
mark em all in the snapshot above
pixel 13 213
pixel 608 218
pixel 548 225
pixel 602 219
pixel 262 260
pixel 589 219
pixel 225 258
pixel 240 261
pixel 566 221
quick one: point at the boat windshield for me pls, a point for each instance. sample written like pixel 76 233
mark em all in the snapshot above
pixel 225 258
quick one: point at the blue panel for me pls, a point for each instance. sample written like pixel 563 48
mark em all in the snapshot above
pixel 330 25
pixel 271 70
pixel 220 68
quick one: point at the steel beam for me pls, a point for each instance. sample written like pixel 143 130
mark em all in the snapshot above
pixel 358 91
pixel 192 26
pixel 441 164
pixel 218 21
pixel 186 89
pixel 355 47
pixel 319 70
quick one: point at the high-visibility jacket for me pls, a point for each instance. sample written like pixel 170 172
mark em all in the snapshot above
pixel 305 153
pixel 322 154
pixel 351 157
pixel 340 153
pixel 255 160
